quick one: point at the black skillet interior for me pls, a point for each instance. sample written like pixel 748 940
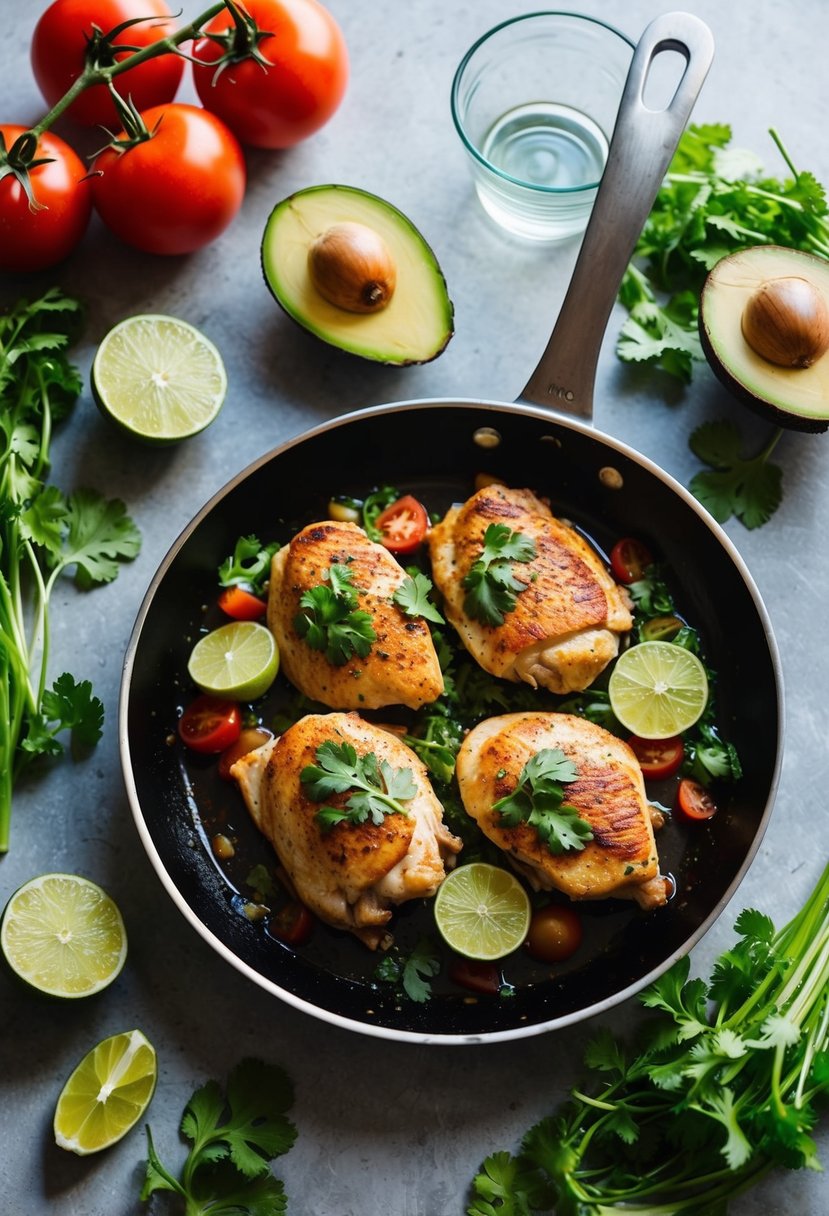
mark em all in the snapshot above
pixel 431 450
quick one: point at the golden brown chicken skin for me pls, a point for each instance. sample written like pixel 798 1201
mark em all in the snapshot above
pixel 609 794
pixel 565 627
pixel 353 874
pixel 400 669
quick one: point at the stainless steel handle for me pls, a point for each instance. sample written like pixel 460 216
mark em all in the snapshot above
pixel 643 143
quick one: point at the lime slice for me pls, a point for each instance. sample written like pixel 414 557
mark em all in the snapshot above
pixel 63 935
pixel 482 911
pixel 107 1093
pixel 658 689
pixel 158 378
pixel 239 660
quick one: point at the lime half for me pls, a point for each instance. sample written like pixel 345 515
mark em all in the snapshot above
pixel 159 378
pixel 239 660
pixel 482 911
pixel 107 1093
pixel 63 935
pixel 658 689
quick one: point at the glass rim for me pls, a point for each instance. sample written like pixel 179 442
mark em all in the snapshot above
pixel 456 82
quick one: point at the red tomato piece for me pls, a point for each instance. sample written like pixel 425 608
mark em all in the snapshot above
pixel 629 559
pixel 403 525
pixel 694 801
pixel 249 739
pixel 58 53
pixel 242 605
pixel 210 724
pixel 295 85
pixel 37 238
pixel 292 923
pixel 658 758
pixel 176 191
pixel 555 933
pixel 476 976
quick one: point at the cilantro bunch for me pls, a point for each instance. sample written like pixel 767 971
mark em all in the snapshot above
pixel 726 1084
pixel 43 534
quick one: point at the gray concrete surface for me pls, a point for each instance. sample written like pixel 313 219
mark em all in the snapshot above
pixel 385 1129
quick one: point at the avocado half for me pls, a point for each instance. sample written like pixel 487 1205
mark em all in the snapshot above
pixel 797 398
pixel 417 323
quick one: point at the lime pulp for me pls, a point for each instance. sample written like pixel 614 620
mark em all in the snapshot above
pixel 658 689
pixel 482 911
pixel 106 1094
pixel 239 660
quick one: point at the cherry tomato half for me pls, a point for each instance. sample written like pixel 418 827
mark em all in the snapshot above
pixel 629 559
pixel 176 191
pixel 210 724
pixel 694 801
pixel 249 739
pixel 555 933
pixel 58 53
pixel 291 89
pixel 658 758
pixel 242 605
pixel 403 525
pixel 36 238
pixel 292 923
pixel 476 976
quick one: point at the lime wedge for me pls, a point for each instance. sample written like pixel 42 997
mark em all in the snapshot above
pixel 63 935
pixel 657 689
pixel 482 911
pixel 107 1093
pixel 158 378
pixel 239 660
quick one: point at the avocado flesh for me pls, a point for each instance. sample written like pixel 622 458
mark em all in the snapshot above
pixel 415 325
pixel 797 398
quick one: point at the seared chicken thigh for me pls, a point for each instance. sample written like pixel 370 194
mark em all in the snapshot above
pixel 608 793
pixel 401 667
pixel 565 626
pixel 353 873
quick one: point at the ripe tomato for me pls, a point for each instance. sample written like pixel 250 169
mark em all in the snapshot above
pixel 694 801
pixel 210 724
pixel 289 96
pixel 629 559
pixel 34 239
pixel 476 976
pixel 555 933
pixel 403 525
pixel 176 191
pixel 658 758
pixel 242 605
pixel 249 739
pixel 59 45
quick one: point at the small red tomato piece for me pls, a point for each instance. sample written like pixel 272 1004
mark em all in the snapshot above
pixel 658 758
pixel 242 605
pixel 629 559
pixel 476 976
pixel 555 933
pixel 210 724
pixel 249 739
pixel 403 525
pixel 694 801
pixel 292 924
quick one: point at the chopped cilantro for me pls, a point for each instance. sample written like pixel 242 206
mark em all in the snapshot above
pixel 249 565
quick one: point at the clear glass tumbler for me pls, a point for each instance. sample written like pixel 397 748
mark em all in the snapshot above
pixel 534 102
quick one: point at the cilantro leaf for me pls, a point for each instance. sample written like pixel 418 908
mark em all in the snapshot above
pixel 249 565
pixel 750 488
pixel 380 790
pixel 330 620
pixel 538 799
pixel 491 586
pixel 412 596
pixel 100 534
pixel 411 973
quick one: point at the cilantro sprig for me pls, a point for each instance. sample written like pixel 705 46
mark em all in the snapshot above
pixel 233 1136
pixel 330 620
pixel 412 597
pixel 44 535
pixel 249 565
pixel 411 972
pixel 538 799
pixel 490 583
pixel 748 487
pixel 379 789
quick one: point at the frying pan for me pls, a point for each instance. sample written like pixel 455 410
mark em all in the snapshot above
pixel 434 449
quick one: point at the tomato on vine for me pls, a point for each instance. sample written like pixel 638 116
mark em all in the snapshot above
pixel 274 73
pixel 174 186
pixel 38 232
pixel 71 33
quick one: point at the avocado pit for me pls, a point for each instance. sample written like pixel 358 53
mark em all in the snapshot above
pixel 351 267
pixel 786 321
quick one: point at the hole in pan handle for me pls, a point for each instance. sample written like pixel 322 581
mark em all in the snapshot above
pixel 644 141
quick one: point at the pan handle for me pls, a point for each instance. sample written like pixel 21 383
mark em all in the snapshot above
pixel 643 143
